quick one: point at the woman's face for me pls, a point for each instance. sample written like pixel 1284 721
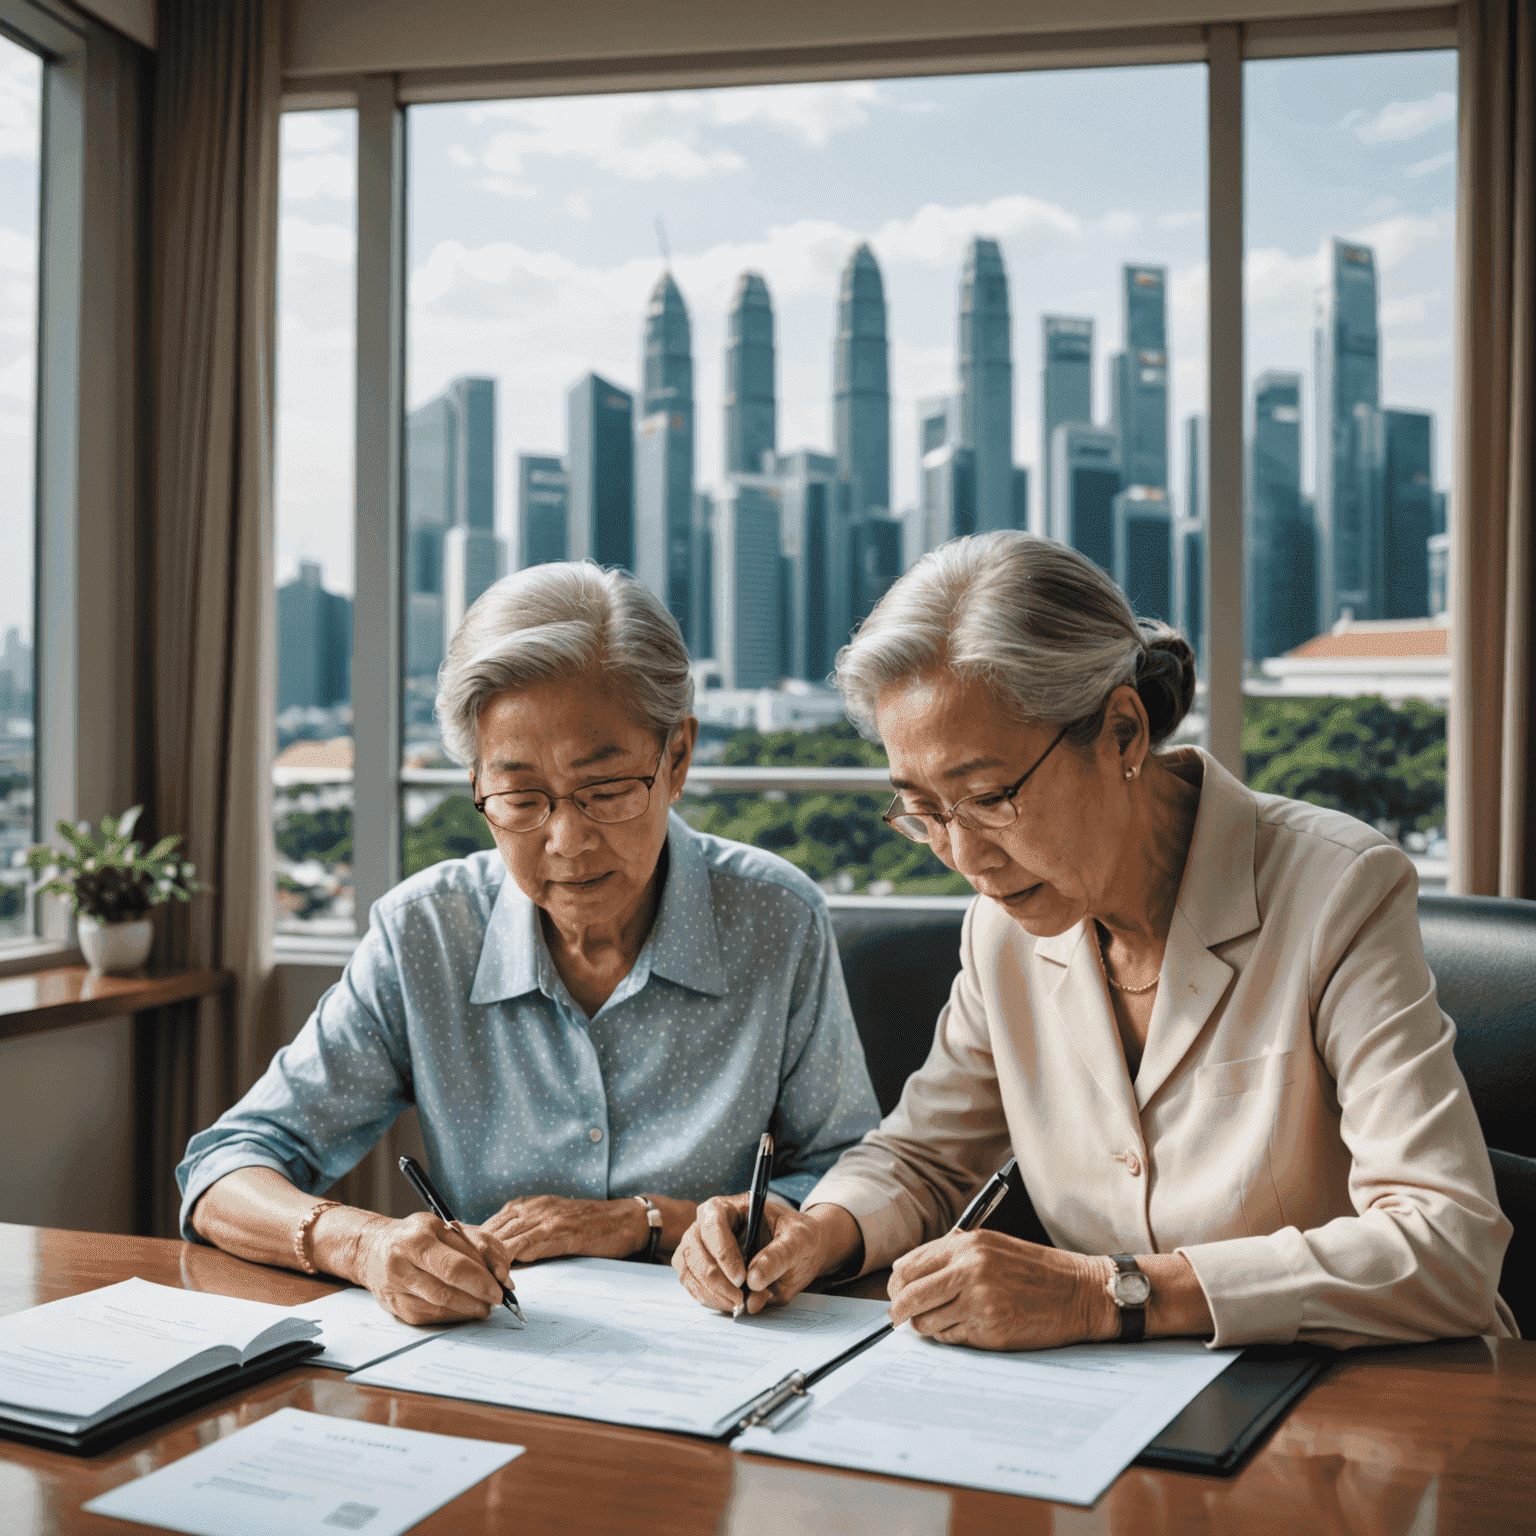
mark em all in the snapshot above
pixel 947 739
pixel 556 737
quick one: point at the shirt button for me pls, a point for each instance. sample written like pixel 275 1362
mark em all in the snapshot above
pixel 594 1134
pixel 1132 1164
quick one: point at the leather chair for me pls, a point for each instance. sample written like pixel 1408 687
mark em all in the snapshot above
pixel 1482 951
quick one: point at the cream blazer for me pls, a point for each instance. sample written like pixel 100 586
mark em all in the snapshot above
pixel 1298 1128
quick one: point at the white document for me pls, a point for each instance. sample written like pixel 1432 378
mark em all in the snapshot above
pixel 357 1331
pixel 1054 1424
pixel 303 1474
pixel 80 1359
pixel 625 1343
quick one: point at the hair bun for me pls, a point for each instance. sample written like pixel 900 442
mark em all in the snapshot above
pixel 1165 678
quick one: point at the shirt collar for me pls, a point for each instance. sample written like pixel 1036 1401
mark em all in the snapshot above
pixel 683 945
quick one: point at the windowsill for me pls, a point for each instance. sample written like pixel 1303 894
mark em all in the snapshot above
pixel 36 955
pixel 300 949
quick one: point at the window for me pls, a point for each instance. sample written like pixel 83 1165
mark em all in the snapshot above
pixel 1349 275
pixel 766 345
pixel 316 352
pixel 21 78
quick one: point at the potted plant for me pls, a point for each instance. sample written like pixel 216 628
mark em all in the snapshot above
pixel 111 884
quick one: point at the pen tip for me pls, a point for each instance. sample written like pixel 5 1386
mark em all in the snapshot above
pixel 766 1144
pixel 737 1310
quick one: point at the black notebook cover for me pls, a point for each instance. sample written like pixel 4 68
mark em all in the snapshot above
pixel 1225 1422
pixel 161 1410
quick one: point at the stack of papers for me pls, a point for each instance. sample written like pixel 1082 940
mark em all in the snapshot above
pixel 625 1343
pixel 70 1365
pixel 356 1330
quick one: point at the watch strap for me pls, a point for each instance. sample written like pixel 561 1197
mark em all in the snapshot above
pixel 1133 1320
pixel 653 1219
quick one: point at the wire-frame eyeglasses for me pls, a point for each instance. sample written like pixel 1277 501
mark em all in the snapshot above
pixel 607 801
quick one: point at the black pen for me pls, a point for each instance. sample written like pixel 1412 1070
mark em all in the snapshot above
pixel 439 1208
pixel 987 1200
pixel 762 1172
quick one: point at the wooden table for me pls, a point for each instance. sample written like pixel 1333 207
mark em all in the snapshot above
pixel 36 1001
pixel 1436 1438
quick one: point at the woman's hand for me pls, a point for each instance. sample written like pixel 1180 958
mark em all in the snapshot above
pixel 996 1292
pixel 425 1271
pixel 546 1226
pixel 797 1247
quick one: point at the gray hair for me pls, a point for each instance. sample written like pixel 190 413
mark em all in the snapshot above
pixel 550 621
pixel 1036 620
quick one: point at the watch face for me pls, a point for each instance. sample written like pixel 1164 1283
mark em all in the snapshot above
pixel 1132 1290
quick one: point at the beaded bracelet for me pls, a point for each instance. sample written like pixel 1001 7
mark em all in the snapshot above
pixel 301 1235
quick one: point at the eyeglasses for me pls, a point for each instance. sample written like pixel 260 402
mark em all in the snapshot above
pixel 607 801
pixel 985 812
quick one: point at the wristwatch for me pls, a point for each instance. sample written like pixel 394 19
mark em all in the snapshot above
pixel 1130 1290
pixel 653 1217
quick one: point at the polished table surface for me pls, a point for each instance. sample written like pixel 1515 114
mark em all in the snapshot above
pixel 35 1001
pixel 1435 1438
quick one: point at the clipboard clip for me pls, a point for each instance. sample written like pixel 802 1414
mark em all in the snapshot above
pixel 773 1403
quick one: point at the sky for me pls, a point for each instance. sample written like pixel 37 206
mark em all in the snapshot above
pixel 532 246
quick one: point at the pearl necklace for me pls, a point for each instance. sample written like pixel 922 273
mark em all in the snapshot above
pixel 1120 986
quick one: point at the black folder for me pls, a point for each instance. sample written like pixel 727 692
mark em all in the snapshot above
pixel 161 1410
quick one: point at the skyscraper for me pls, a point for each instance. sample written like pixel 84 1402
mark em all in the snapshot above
pixel 1346 375
pixel 1281 541
pixel 751 417
pixel 543 493
pixel 1066 383
pixel 817 549
pixel 946 473
pixel 1085 479
pixel 701 626
pixel 1189 537
pixel 664 454
pixel 601 462
pixel 1408 512
pixel 1143 516
pixel 748 608
pixel 1020 497
pixel 1139 378
pixel 986 382
pixel 877 553
pixel 861 401
pixel 314 643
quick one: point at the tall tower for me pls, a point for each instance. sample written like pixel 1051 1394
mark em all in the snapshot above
pixel 1347 371
pixel 1139 410
pixel 946 473
pixel 543 493
pixel 861 401
pixel 664 454
pixel 986 382
pixel 751 418
pixel 1409 513
pixel 1189 536
pixel 1066 382
pixel 747 565
pixel 601 464
pixel 1085 480
pixel 1282 543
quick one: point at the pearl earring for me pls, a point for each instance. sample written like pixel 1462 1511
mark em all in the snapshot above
pixel 1130 773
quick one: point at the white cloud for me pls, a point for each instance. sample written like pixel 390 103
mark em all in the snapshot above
pixel 18 251
pixel 576 206
pixel 1409 308
pixel 1189 218
pixel 16 378
pixel 811 113
pixel 1382 205
pixel 504 186
pixel 461 157
pixel 1430 166
pixel 1119 223
pixel 331 242
pixel 936 236
pixel 1400 120
pixel 20 96
pixel 306 133
pixel 1403 236
pixel 306 177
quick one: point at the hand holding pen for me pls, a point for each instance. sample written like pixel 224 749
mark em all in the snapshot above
pixel 762 1175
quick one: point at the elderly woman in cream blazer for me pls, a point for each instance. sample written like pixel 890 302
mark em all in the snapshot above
pixel 1199 1017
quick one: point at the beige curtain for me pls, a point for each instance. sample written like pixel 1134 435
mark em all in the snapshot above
pixel 1492 737
pixel 208 718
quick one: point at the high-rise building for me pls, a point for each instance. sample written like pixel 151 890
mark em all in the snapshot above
pixel 15 676
pixel 1139 379
pixel 543 494
pixel 986 382
pixel 1439 551
pixel 701 625
pixel 1281 540
pixel 1066 383
pixel 946 473
pixel 861 400
pixel 664 455
pixel 748 608
pixel 1197 466
pixel 1143 520
pixel 1189 537
pixel 1020 497
pixel 1408 512
pixel 314 643
pixel 1346 376
pixel 1085 479
pixel 601 463
pixel 751 416
pixel 877 555
pixel 473 559
pixel 817 549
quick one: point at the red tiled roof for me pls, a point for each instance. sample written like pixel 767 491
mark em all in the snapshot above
pixel 1375 644
pixel 336 753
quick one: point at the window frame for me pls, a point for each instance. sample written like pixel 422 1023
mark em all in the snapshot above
pixel 380 101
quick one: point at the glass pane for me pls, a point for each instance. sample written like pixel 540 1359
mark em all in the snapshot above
pixel 21 81
pixel 764 346
pixel 1351 177
pixel 316 363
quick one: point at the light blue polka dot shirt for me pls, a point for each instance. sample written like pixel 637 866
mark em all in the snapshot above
pixel 733 1021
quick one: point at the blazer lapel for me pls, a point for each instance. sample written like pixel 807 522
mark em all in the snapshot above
pixel 1192 982
pixel 1083 1015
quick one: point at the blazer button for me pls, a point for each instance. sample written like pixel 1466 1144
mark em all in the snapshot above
pixel 594 1134
pixel 1132 1164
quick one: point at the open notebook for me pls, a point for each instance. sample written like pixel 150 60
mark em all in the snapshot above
pixel 74 1368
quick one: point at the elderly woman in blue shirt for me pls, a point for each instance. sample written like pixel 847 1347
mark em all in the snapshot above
pixel 595 1022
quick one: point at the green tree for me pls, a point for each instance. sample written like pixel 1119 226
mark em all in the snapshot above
pixel 453 829
pixel 324 835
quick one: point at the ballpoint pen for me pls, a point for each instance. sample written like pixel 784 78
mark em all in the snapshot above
pixel 762 1172
pixel 439 1208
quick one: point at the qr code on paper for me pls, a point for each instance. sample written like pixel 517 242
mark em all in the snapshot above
pixel 351 1517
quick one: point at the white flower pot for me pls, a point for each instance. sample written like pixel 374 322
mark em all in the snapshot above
pixel 115 946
